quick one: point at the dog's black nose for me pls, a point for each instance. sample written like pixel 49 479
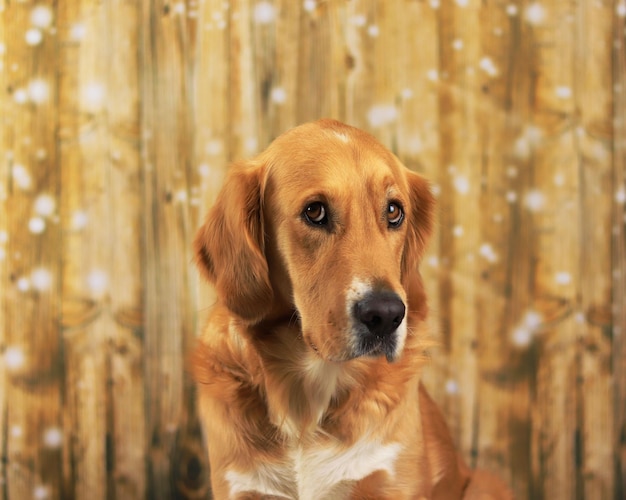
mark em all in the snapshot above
pixel 380 312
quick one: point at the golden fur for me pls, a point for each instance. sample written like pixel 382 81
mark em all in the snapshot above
pixel 298 398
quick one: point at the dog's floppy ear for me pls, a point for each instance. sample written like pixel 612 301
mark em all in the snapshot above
pixel 420 222
pixel 229 246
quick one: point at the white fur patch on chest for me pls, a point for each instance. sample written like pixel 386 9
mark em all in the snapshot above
pixel 318 472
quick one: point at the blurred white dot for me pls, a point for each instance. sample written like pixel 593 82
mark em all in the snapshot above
pixel 532 319
pixel 278 95
pixel 36 225
pixel 563 92
pixel 23 284
pixel 452 386
pixel 432 75
pixel 41 16
pixel 78 31
pixel 382 114
pixel 45 205
pixel 488 253
pixel 41 279
pixel 20 96
pixel 213 147
pixel 373 30
pixel 461 184
pixel 511 196
pixel 462 3
pixel 38 91
pixel 511 172
pixel 511 10
pixel 16 431
pixel 621 9
pixel 33 37
pixel 563 278
pixel 559 180
pixel 204 170
pixel 3 48
pixel 457 44
pixel 21 176
pixel 620 196
pixel 4 237
pixel 458 231
pixel 93 96
pixel 53 437
pixel 487 65
pixel 406 93
pixel 433 261
pixel 14 357
pixel 534 200
pixel 358 20
pixel 434 4
pixel 310 5
pixel 251 145
pixel 79 220
pixel 264 13
pixel 522 336
pixel 41 492
pixel 98 282
pixel 535 13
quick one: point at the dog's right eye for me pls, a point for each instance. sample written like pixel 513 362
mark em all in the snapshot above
pixel 315 213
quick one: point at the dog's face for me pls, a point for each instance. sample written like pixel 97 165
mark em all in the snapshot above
pixel 326 221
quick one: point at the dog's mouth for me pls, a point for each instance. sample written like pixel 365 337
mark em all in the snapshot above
pixel 372 346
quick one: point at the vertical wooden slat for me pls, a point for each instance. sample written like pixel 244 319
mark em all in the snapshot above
pixel 32 302
pixel 166 145
pixel 618 247
pixel 593 135
pixel 86 244
pixel 126 438
pixel 460 138
pixel 5 147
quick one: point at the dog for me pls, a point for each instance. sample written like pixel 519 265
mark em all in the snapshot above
pixel 308 370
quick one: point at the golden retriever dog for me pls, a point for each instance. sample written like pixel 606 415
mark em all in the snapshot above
pixel 308 370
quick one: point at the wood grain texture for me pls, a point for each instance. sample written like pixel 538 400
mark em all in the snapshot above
pixel 119 119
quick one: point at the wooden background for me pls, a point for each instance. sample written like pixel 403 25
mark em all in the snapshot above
pixel 119 118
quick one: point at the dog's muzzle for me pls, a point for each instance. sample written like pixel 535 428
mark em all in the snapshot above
pixel 377 317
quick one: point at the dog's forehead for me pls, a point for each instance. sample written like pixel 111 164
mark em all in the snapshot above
pixel 329 158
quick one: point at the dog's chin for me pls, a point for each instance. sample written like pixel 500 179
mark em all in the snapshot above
pixel 365 348
pixel 374 348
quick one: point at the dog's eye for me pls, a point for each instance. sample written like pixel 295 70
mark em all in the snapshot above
pixel 395 214
pixel 315 213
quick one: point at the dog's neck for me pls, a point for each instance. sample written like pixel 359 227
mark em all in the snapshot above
pixel 307 395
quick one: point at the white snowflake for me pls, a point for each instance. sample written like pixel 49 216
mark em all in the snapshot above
pixel 534 200
pixel 310 5
pixel 45 205
pixel 41 16
pixel 79 220
pixel 264 13
pixel 563 92
pixel 33 37
pixel 563 278
pixel 278 95
pixel 53 437
pixel 535 13
pixel 36 225
pixel 461 184
pixel 93 95
pixel 488 253
pixel 98 282
pixel 487 65
pixel 511 10
pixel 14 357
pixel 41 279
pixel 382 114
pixel 452 386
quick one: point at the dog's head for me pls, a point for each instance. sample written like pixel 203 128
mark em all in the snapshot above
pixel 328 222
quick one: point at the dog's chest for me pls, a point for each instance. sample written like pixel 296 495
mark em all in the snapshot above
pixel 317 472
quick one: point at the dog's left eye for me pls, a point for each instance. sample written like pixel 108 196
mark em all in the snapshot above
pixel 395 214
pixel 315 213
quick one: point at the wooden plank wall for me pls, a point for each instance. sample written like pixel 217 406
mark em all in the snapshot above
pixel 119 118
